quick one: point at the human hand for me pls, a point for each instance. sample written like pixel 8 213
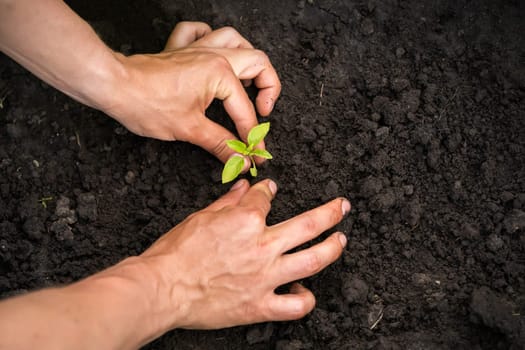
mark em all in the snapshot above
pixel 220 267
pixel 165 95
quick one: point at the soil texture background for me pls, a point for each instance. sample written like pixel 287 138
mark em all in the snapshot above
pixel 413 110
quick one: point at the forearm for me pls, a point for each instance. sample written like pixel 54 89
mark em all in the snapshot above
pixel 55 44
pixel 110 310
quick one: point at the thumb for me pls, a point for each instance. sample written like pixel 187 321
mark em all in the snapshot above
pixel 292 306
pixel 212 137
pixel 231 198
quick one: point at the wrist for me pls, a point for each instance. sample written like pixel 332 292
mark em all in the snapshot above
pixel 131 302
pixel 100 85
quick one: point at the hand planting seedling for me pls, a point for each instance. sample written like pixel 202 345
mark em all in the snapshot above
pixel 234 165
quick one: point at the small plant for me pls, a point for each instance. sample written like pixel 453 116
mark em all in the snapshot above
pixel 234 165
pixel 44 201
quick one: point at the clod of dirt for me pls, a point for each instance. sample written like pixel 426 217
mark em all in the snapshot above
pixel 171 192
pixel 62 230
pixel 259 334
pixel 421 279
pixel 24 249
pixel 400 84
pixel 382 132
pixel 367 125
pixel 514 221
pixel 494 243
pixel 408 189
pixel 495 312
pixel 323 323
pixel 400 52
pixel 33 227
pixel 367 27
pixel 453 141
pixel 519 201
pixel 295 344
pixel 381 104
pixel 411 212
pixel 130 177
pixel 87 206
pixel 383 201
pixel 470 231
pixel 506 196
pixel 63 210
pixel 16 131
pixel 331 189
pixel 410 100
pixel 354 290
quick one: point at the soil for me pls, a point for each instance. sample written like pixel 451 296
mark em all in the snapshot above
pixel 413 110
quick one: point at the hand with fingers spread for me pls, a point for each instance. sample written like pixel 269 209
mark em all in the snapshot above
pixel 165 95
pixel 218 268
pixel 222 265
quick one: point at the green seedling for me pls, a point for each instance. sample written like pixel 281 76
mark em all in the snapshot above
pixel 44 201
pixel 234 165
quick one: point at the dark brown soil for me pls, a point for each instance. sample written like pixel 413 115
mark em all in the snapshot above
pixel 413 110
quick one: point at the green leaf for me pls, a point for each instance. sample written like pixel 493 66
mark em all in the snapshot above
pixel 262 153
pixel 232 168
pixel 237 146
pixel 253 171
pixel 258 133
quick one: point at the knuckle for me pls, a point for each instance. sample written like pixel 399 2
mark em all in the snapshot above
pixel 278 86
pixel 255 217
pixel 302 308
pixel 310 224
pixel 309 303
pixel 262 58
pixel 182 25
pixel 199 218
pixel 190 131
pixel 337 249
pixel 219 147
pixel 228 30
pixel 334 214
pixel 219 62
pixel 313 264
pixel 262 55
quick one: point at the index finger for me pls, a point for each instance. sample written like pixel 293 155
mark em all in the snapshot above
pixel 255 64
pixel 307 226
pixel 269 89
pixel 259 197
pixel 237 105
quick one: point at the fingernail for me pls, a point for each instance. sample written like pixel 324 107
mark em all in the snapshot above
pixel 237 185
pixel 342 239
pixel 345 206
pixel 273 187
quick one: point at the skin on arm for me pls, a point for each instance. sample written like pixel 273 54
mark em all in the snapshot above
pixel 218 268
pixel 162 95
pixel 109 310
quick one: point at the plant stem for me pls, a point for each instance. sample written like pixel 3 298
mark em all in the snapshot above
pixel 253 169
